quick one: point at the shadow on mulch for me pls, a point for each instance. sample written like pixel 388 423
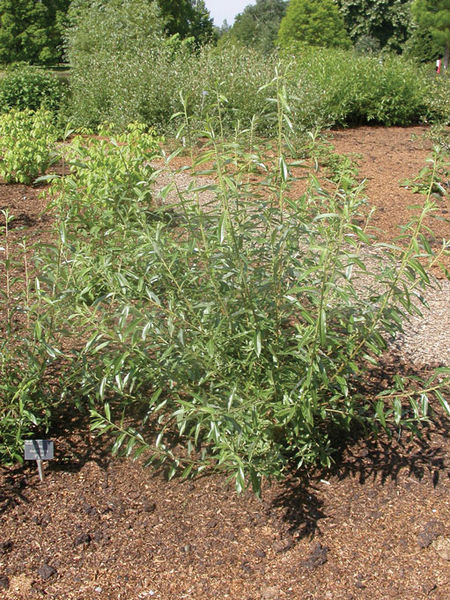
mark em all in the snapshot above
pixel 385 459
pixel 378 460
pixel 367 457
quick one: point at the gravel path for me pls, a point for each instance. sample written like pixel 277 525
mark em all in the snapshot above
pixel 426 340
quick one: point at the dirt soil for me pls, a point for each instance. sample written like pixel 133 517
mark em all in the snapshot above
pixel 376 526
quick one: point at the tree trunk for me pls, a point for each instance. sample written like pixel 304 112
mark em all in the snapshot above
pixel 446 56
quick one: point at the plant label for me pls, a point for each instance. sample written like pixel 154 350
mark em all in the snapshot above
pixel 39 450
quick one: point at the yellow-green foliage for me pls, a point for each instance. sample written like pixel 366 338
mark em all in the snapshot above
pixel 313 23
pixel 107 170
pixel 27 141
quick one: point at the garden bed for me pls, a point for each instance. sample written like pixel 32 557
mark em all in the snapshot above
pixel 375 526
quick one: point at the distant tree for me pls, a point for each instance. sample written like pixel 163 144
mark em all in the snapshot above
pixel 187 18
pixel 377 23
pixel 224 28
pixel 257 25
pixel 421 46
pixel 434 15
pixel 31 30
pixel 314 23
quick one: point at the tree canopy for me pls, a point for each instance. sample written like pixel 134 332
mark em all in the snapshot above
pixel 257 25
pixel 385 22
pixel 314 23
pixel 31 31
pixel 435 15
pixel 187 18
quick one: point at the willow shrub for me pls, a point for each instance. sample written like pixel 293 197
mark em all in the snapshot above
pixel 124 69
pixel 235 333
pixel 148 85
pixel 106 178
pixel 26 394
pixel 152 77
pixel 230 333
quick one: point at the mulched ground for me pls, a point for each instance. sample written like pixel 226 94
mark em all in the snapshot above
pixel 377 526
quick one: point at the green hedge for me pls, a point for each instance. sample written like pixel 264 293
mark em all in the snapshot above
pixel 25 87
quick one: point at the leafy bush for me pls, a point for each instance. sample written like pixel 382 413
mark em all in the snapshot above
pixel 108 185
pixel 110 47
pixel 238 333
pixel 148 85
pixel 92 159
pixel 438 100
pixel 24 87
pixel 389 91
pixel 26 144
pixel 335 86
pixel 326 87
pixel 133 73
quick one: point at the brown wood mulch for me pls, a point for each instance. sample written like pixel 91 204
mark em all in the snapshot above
pixel 376 526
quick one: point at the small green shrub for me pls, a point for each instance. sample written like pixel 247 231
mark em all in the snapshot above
pixel 109 185
pixel 27 142
pixel 107 170
pixel 235 334
pixel 24 87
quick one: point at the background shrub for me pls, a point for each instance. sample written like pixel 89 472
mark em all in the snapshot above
pixel 132 73
pixel 109 48
pixel 335 86
pixel 26 87
pixel 326 87
pixel 124 69
pixel 438 99
pixel 387 90
pixel 313 23
pixel 27 141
